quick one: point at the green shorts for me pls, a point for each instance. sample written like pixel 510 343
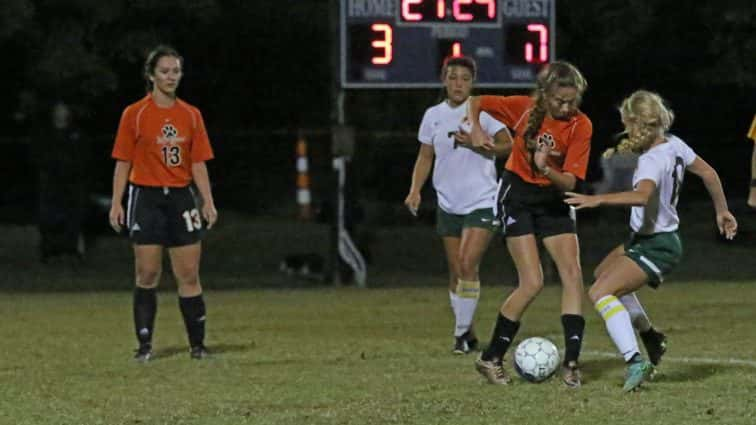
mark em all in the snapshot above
pixel 453 224
pixel 656 254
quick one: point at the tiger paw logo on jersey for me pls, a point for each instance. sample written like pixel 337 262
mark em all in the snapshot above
pixel 546 139
pixel 169 131
pixel 169 135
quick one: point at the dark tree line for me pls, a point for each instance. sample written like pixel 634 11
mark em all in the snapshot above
pixel 267 61
pixel 258 65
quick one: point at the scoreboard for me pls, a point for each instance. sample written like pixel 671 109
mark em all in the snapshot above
pixel 402 43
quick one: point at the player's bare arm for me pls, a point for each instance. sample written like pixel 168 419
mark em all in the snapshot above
pixel 636 198
pixel 477 136
pixel 420 174
pixel 120 179
pixel 562 180
pixel 726 222
pixel 201 178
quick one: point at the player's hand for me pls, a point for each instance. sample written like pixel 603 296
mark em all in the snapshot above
pixel 116 217
pixel 479 139
pixel 210 214
pixel 465 139
pixel 541 155
pixel 412 201
pixel 580 201
pixel 727 224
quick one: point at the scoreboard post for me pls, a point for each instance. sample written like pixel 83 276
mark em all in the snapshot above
pixel 402 43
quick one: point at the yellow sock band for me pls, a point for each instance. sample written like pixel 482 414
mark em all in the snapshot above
pixel 608 306
pixel 468 288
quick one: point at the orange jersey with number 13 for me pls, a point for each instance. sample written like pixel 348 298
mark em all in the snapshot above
pixel 161 143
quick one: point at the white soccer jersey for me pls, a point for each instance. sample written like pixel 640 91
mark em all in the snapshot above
pixel 464 179
pixel 665 164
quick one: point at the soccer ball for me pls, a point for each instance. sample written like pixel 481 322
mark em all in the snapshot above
pixel 536 359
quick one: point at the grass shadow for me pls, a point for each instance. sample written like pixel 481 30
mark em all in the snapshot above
pixel 597 369
pixel 168 352
pixel 689 372
pixel 223 348
pixel 214 349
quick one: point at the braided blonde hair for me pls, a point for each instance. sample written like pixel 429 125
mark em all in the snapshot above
pixel 646 117
pixel 556 74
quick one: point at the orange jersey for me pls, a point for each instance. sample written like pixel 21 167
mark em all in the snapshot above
pixel 752 130
pixel 572 138
pixel 161 143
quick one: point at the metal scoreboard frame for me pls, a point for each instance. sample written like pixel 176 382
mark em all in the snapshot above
pixel 387 44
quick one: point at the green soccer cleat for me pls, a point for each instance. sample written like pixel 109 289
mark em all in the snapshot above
pixel 637 371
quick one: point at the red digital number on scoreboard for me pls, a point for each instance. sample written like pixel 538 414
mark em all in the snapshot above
pixel 532 51
pixel 402 43
pixel 448 11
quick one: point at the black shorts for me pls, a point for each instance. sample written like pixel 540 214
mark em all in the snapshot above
pixel 167 216
pixel 530 209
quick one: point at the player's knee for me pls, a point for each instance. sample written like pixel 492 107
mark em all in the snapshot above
pixel 531 287
pixel 147 277
pixel 468 267
pixel 187 278
pixel 572 275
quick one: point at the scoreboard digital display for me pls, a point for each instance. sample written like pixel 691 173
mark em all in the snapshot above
pixel 402 43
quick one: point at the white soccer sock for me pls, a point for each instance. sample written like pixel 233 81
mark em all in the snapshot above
pixel 638 316
pixel 468 292
pixel 618 325
pixel 454 302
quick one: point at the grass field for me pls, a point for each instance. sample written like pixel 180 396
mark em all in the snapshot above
pixel 348 356
pixel 289 351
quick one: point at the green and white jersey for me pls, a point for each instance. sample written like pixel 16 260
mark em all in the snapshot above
pixel 665 164
pixel 464 179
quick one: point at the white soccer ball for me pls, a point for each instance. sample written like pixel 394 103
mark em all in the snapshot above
pixel 536 359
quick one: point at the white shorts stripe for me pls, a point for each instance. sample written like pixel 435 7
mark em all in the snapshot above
pixel 131 206
pixel 653 267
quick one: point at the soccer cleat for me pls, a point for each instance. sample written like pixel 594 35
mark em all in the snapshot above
pixel 492 370
pixel 637 371
pixel 656 345
pixel 465 343
pixel 472 341
pixel 571 375
pixel 199 352
pixel 143 353
pixel 460 346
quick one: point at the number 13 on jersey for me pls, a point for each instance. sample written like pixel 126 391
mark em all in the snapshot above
pixel 171 155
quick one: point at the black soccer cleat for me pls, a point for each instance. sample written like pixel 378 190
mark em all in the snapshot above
pixel 143 353
pixel 655 343
pixel 472 340
pixel 199 352
pixel 460 346
pixel 465 343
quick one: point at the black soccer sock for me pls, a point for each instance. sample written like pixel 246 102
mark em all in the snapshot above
pixel 753 183
pixel 502 337
pixel 145 309
pixel 573 326
pixel 193 311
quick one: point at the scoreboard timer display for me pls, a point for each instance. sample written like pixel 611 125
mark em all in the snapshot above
pixel 402 43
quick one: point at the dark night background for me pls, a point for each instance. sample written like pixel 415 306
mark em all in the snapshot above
pixel 260 71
